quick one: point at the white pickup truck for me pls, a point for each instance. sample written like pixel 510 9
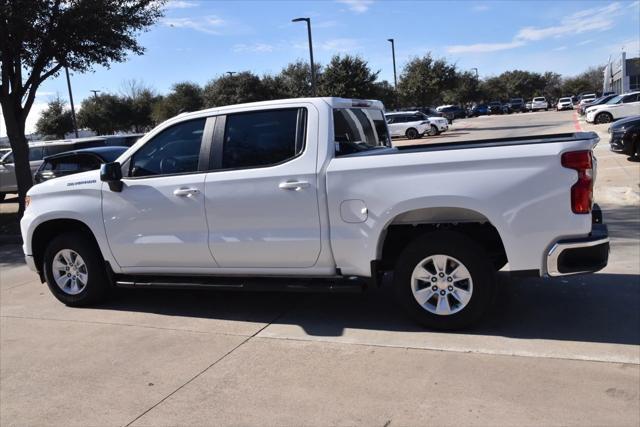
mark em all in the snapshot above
pixel 307 194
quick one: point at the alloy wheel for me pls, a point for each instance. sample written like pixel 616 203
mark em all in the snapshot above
pixel 442 285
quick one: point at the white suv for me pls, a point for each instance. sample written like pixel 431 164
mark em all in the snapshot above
pixel 625 105
pixel 564 104
pixel 539 103
pixel 410 124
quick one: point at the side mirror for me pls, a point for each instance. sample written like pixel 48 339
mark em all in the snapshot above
pixel 111 173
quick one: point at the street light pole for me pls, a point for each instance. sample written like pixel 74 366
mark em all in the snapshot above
pixel 95 92
pixel 476 70
pixel 393 54
pixel 230 73
pixel 73 110
pixel 313 68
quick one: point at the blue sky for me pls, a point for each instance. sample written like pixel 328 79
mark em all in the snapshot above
pixel 198 40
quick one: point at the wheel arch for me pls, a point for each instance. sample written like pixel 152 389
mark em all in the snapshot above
pixel 48 230
pixel 408 225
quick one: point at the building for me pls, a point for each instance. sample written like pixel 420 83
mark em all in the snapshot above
pixel 622 75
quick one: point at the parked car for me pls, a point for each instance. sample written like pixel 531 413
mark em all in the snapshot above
pixel 528 106
pixel 479 110
pixel 37 151
pixel 411 125
pixel 517 105
pixel 307 194
pixel 625 136
pixel 495 107
pixel 506 108
pixel 456 111
pixel 564 104
pixel 123 140
pixel 602 100
pixel 539 103
pixel 587 97
pixel 76 161
pixel 621 106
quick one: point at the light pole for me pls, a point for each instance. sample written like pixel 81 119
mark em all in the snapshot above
pixel 95 92
pixel 393 54
pixel 476 70
pixel 73 110
pixel 313 68
pixel 395 78
pixel 230 73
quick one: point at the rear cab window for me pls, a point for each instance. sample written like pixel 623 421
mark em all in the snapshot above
pixel 359 129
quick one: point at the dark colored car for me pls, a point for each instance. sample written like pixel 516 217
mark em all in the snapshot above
pixel 625 136
pixel 495 107
pixel 479 110
pixel 582 109
pixel 517 105
pixel 458 112
pixel 123 140
pixel 76 161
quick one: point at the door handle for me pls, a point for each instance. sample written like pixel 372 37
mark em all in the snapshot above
pixel 185 192
pixel 293 185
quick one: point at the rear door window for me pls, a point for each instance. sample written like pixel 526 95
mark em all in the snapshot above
pixel 263 138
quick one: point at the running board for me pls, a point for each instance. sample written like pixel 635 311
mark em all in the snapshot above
pixel 268 284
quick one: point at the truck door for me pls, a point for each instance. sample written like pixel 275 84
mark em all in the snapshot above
pixel 158 218
pixel 261 199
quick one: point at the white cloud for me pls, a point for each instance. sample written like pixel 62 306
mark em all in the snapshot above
pixel 588 20
pixel 255 47
pixel 484 47
pixel 181 4
pixel 357 6
pixel 324 24
pixel 560 48
pixel 208 24
pixel 584 42
pixel 340 45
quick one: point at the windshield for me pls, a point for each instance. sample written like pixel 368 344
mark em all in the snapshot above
pixel 538 99
pixel 7 157
pixel 565 99
pixel 357 129
pixel 516 100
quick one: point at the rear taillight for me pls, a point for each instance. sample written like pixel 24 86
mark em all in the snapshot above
pixel 582 190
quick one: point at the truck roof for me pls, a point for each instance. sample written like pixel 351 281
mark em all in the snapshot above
pixel 333 102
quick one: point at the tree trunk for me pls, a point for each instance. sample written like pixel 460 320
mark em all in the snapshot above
pixel 15 123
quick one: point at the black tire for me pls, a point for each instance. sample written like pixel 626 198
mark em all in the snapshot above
pixel 97 286
pixel 2 196
pixel 433 130
pixel 411 133
pixel 603 118
pixel 469 253
pixel 636 152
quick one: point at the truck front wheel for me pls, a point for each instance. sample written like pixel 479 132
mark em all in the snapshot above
pixel 444 280
pixel 74 270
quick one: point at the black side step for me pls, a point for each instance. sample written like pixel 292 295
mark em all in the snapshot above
pixel 268 284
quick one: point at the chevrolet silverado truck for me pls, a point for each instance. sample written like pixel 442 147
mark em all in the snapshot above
pixel 309 193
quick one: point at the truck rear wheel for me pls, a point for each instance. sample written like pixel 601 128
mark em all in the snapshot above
pixel 444 280
pixel 74 270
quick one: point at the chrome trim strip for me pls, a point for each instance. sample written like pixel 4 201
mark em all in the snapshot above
pixel 558 248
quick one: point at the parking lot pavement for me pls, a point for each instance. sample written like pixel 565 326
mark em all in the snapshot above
pixel 556 352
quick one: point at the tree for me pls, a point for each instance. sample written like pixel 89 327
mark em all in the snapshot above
pixel 105 114
pixel 466 90
pixel 40 37
pixel 386 93
pixel 348 77
pixel 424 80
pixel 56 120
pixel 184 96
pixel 237 89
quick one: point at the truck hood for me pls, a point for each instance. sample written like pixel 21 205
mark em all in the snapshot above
pixel 82 180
